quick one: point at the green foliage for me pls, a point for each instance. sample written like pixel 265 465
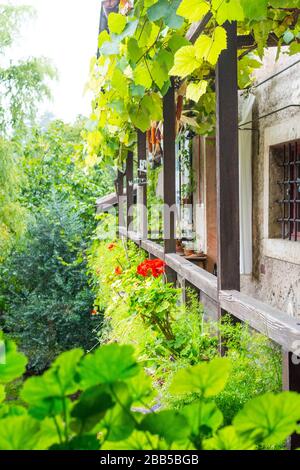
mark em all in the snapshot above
pixel 54 162
pixel 14 361
pixel 46 297
pixel 204 379
pixel 132 310
pixel 12 214
pixel 66 410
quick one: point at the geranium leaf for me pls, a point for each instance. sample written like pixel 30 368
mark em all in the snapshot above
pixel 228 439
pixel 12 362
pixel 269 418
pixel 109 364
pixel 19 433
pixel 203 418
pixel 168 424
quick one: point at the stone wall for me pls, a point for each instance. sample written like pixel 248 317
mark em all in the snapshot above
pixel 276 263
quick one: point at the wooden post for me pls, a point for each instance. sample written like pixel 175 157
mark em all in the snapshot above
pixel 227 149
pixel 129 190
pixel 169 171
pixel 142 186
pixel 169 177
pixel 291 382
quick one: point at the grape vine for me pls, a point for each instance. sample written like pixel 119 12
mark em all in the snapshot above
pixel 146 47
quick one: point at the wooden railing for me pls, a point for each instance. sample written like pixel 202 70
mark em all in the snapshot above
pixel 267 320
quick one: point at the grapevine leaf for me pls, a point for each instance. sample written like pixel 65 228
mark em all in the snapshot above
pixel 194 91
pixel 141 75
pixel 134 51
pixel 193 10
pixel 140 117
pixel 185 62
pixel 255 10
pixel 116 23
pixel 210 48
pixel 103 37
pixel 166 10
pixel 176 42
pixel 153 104
pixel 294 48
pixel 229 10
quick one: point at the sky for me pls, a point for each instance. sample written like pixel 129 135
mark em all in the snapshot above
pixel 66 32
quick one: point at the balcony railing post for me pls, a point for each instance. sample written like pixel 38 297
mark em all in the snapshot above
pixel 227 148
pixel 129 190
pixel 169 176
pixel 169 170
pixel 142 186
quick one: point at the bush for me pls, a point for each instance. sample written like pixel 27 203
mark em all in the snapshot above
pixel 46 298
pixel 137 311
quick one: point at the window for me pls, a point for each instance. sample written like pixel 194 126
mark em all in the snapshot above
pixel 285 190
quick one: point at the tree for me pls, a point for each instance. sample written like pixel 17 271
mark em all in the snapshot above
pixel 54 162
pixel 22 86
pixel 45 298
pixel 12 214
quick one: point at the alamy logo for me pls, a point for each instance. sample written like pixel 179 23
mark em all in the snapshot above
pixel 296 353
pixel 2 353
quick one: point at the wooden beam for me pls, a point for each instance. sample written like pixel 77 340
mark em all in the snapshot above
pixel 153 248
pixel 245 41
pixel 129 190
pixel 169 170
pixel 198 277
pixel 197 28
pixel 271 322
pixel 227 150
pixel 142 185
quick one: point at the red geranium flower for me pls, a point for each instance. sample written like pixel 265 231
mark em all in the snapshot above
pixel 111 246
pixel 118 270
pixel 155 267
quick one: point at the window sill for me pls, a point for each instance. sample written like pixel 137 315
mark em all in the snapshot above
pixel 283 250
